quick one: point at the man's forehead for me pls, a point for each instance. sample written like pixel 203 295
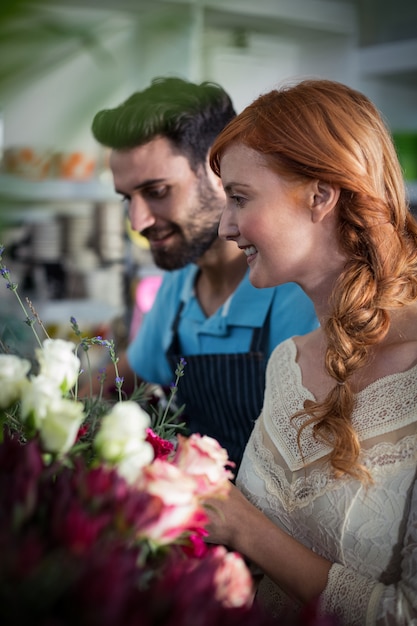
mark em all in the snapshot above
pixel 148 164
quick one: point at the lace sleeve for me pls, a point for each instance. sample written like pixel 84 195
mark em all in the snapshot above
pixel 359 601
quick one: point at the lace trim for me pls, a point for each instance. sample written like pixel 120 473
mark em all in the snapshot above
pixel 386 405
pixel 275 601
pixel 383 459
pixel 387 457
pixel 346 596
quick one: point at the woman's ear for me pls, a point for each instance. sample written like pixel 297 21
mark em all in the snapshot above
pixel 215 180
pixel 324 198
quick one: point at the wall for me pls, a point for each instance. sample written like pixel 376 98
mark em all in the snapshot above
pixel 55 107
pixel 266 61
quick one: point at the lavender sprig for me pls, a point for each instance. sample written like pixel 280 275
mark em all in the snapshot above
pixel 30 321
pixel 179 372
pixel 85 343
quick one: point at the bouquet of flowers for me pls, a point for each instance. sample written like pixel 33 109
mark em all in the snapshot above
pixel 103 506
pixel 102 516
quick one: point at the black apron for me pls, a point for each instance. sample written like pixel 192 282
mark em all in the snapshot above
pixel 223 393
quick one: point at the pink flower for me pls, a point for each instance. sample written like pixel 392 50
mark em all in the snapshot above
pixel 162 447
pixel 232 578
pixel 205 460
pixel 181 512
pixel 196 546
pixel 187 592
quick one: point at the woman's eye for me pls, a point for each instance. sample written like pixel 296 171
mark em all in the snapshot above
pixel 239 201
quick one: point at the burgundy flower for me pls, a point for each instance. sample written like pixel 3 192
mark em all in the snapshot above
pixel 185 593
pixel 162 447
pixel 20 469
pixel 109 583
pixel 78 546
pixel 24 555
pixel 79 530
pixel 82 431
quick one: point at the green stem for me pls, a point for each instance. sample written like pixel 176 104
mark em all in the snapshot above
pixel 29 320
pixel 179 372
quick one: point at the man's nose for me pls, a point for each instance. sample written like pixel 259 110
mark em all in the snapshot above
pixel 228 228
pixel 140 215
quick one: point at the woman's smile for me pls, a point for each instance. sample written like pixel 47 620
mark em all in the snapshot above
pixel 250 252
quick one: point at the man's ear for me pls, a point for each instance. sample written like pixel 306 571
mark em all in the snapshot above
pixel 324 197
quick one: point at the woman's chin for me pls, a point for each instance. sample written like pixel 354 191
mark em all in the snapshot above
pixel 260 282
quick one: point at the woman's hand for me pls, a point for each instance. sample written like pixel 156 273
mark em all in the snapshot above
pixel 226 518
pixel 239 525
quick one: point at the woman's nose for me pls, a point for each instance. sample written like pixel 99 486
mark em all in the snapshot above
pixel 228 228
pixel 140 215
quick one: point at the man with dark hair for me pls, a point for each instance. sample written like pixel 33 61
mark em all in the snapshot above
pixel 206 310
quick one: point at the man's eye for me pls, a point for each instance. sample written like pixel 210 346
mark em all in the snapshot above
pixel 125 200
pixel 156 192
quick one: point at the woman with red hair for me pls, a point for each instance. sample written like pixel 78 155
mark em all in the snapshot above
pixel 326 496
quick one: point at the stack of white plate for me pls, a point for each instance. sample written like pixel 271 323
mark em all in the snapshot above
pixel 46 238
pixel 78 231
pixel 111 231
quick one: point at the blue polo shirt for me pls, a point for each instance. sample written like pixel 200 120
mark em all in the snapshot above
pixel 228 330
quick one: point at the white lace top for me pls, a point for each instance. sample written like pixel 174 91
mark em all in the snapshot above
pixel 370 534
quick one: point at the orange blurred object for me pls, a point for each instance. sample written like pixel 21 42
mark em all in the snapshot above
pixel 37 163
pixel 74 165
pixel 28 162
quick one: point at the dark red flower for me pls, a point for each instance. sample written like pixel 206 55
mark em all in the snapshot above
pixel 82 431
pixel 162 447
pixel 20 468
pixel 79 530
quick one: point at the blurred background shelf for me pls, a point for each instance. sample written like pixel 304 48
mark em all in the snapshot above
pixel 67 240
pixel 52 190
pixel 18 189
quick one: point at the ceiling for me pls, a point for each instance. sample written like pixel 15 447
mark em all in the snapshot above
pixel 379 21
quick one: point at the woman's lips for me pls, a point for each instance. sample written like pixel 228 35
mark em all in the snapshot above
pixel 250 252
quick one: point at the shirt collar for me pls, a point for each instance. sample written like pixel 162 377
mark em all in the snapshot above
pixel 247 306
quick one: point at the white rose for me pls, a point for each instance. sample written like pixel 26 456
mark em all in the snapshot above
pixel 13 372
pixel 38 395
pixel 130 467
pixel 59 428
pixel 121 439
pixel 58 362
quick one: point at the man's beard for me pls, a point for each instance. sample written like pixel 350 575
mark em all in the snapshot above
pixel 197 235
